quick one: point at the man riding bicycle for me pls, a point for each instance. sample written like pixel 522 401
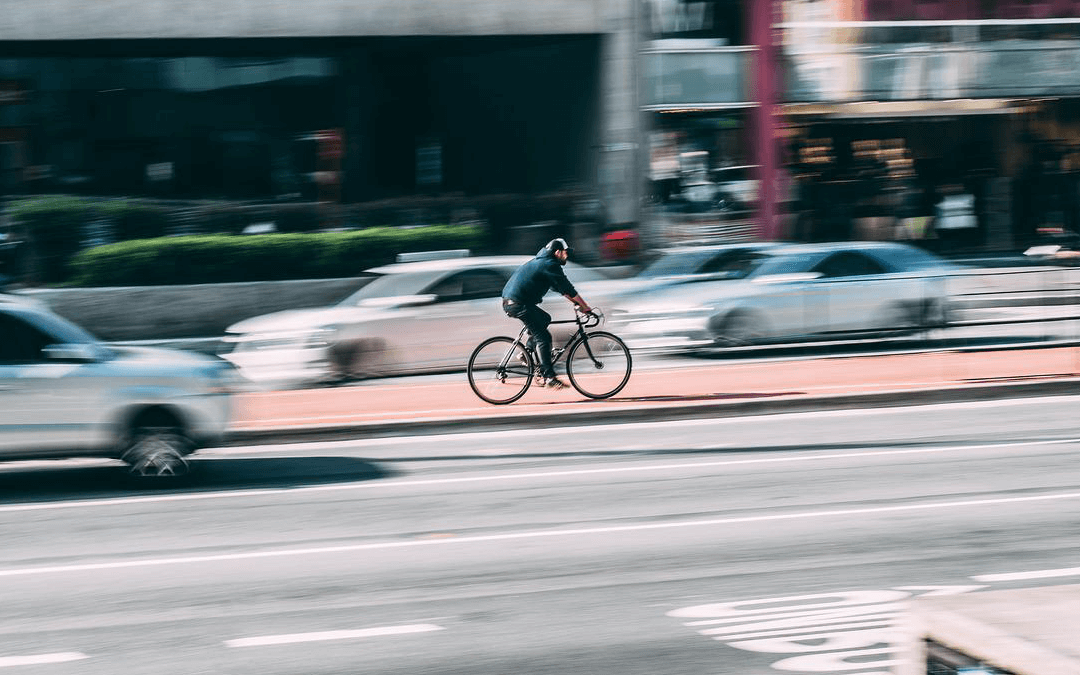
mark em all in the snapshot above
pixel 525 290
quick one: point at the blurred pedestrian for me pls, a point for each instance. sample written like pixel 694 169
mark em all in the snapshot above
pixel 954 219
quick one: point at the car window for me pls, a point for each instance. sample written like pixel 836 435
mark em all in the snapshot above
pixel 479 284
pixel 450 289
pixel 901 257
pixel 788 263
pixel 469 285
pixel 22 342
pixel 848 264
pixel 382 286
pixel 734 264
pixel 675 263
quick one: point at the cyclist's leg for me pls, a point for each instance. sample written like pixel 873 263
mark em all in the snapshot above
pixel 537 320
pixel 517 311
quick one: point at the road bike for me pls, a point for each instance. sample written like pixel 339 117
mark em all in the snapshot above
pixel 598 363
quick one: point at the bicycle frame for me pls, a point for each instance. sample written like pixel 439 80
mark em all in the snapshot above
pixel 557 352
pixel 512 363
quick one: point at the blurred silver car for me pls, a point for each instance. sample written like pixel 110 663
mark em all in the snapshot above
pixel 411 317
pixel 65 394
pixel 682 265
pixel 799 292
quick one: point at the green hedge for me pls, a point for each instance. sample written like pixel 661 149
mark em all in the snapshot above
pixel 54 227
pixel 268 257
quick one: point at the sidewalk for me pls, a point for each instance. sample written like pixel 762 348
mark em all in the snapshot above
pixel 713 389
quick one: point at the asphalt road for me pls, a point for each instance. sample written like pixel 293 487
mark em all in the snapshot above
pixel 777 544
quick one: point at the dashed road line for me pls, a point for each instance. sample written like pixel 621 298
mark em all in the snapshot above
pixel 868 452
pixel 293 638
pixel 533 534
pixel 40 659
pixel 1026 576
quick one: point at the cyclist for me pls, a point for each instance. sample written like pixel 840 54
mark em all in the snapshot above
pixel 525 290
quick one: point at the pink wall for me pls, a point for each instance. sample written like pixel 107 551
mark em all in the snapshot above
pixel 900 10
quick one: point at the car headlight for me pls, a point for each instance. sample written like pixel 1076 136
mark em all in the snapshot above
pixel 689 309
pixel 224 378
pixel 305 339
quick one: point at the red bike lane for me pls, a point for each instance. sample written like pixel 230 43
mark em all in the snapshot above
pixel 409 400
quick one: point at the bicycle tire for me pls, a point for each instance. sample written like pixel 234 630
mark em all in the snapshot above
pixel 613 372
pixel 493 382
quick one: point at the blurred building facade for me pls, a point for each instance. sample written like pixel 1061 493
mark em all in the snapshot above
pixel 797 119
pixel 348 100
pixel 869 119
pixel 896 113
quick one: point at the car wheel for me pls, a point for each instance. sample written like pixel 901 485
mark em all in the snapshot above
pixel 898 319
pixel 157 449
pixel 935 314
pixel 740 329
pixel 352 360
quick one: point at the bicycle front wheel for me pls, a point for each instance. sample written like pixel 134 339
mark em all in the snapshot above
pixel 599 366
pixel 500 370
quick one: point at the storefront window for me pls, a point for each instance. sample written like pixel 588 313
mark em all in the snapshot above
pixel 185 126
pixel 702 185
pixel 719 21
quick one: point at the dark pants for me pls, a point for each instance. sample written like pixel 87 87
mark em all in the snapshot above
pixel 536 321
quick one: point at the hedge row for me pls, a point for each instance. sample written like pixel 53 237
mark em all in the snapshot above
pixel 224 258
pixel 56 227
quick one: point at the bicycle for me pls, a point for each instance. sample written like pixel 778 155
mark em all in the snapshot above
pixel 598 364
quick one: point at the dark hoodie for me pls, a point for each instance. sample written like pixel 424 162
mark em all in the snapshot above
pixel 529 283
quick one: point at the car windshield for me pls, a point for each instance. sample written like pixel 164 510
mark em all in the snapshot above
pixel 674 263
pixel 63 330
pixel 790 263
pixel 908 258
pixel 731 264
pixel 387 286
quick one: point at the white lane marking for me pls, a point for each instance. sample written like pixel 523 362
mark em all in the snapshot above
pixel 528 534
pixel 506 477
pixel 40 659
pixel 293 638
pixel 631 426
pixel 1024 576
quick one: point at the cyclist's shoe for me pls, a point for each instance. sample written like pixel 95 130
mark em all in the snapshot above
pixel 555 383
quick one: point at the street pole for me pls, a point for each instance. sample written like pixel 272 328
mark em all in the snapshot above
pixel 764 86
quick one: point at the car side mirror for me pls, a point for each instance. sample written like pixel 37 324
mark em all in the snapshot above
pixel 71 353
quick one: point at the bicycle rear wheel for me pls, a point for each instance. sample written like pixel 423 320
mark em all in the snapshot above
pixel 599 366
pixel 500 370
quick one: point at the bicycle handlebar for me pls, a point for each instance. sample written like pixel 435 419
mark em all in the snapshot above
pixel 593 318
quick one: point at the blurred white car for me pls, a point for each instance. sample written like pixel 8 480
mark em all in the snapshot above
pixel 412 317
pixel 800 292
pixel 65 394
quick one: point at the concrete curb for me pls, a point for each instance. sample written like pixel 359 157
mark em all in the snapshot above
pixel 655 411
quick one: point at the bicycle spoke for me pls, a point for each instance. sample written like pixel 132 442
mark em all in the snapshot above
pixel 601 368
pixel 500 370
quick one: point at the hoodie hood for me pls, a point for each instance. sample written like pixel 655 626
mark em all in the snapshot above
pixel 545 253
